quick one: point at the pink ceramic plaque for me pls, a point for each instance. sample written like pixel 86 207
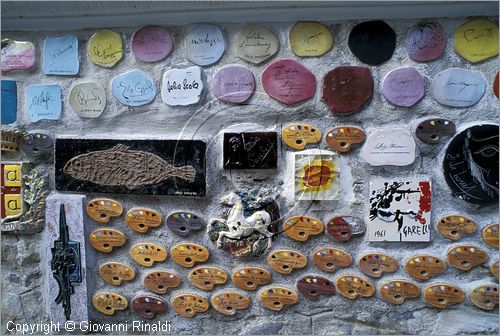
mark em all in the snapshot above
pixel 17 55
pixel 151 44
pixel 425 41
pixel 403 87
pixel 233 84
pixel 288 81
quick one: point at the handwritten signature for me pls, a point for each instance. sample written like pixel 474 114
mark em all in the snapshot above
pixel 105 53
pixel 43 100
pixel 207 40
pixel 84 99
pixel 184 86
pixel 138 89
pixel 56 54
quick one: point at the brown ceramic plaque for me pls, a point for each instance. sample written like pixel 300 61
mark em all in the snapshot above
pixel 423 267
pixel 338 228
pixel 298 136
pixel 114 273
pixel 490 235
pixel 432 131
pixel 188 254
pixel 102 209
pixel 105 240
pixel 160 281
pixel 329 258
pixel 189 305
pixel 454 226
pixel 250 277
pixel 301 228
pixel 227 302
pixel 441 295
pixel 141 219
pixel 464 257
pixel 397 291
pixel 485 296
pixel 275 297
pixel 351 286
pixel 285 261
pixel 374 264
pixel 342 138
pixel 207 278
pixel 146 254
pixel 147 306
pixel 494 268
pixel 312 286
pixel 107 302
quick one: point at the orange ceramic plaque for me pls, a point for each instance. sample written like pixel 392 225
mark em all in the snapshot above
pixel 187 254
pixel 142 219
pixel 423 267
pixel 351 286
pixel 160 281
pixel 329 259
pixel 298 136
pixel 107 303
pixel 227 302
pixel 494 268
pixel 275 298
pixel 285 261
pixel 207 278
pixel 441 295
pixel 374 264
pixel 454 226
pixel 105 240
pixel 342 138
pixel 485 296
pixel 102 209
pixel 464 257
pixel 301 228
pixel 188 305
pixel 397 291
pixel 114 273
pixel 146 254
pixel 490 235
pixel 250 277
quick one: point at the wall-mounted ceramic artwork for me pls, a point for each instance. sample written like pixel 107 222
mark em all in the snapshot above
pixel 476 40
pixel 310 39
pixel 182 86
pixel 9 102
pixel 133 88
pixel 233 84
pixel 152 44
pixel 458 87
pixel 43 102
pixel 389 147
pixel 256 44
pixel 60 56
pixel 205 44
pixel 425 41
pixel 250 150
pixel 88 99
pixel 403 87
pixel 105 48
pixel 17 55
pixel 372 42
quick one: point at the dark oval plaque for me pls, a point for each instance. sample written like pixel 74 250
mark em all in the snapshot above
pixel 182 223
pixel 312 286
pixel 37 144
pixel 372 42
pixel 425 41
pixel 432 130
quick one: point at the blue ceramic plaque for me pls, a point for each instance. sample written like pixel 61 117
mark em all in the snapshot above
pixel 60 56
pixel 43 102
pixel 134 88
pixel 9 102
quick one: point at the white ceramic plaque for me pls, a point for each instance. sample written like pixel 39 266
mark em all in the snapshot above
pixel 205 44
pixel 182 86
pixel 256 44
pixel 88 99
pixel 457 87
pixel 389 147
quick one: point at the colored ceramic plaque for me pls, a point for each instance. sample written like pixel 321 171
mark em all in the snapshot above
pixel 249 277
pixel 495 85
pixel 160 282
pixel 403 87
pixel 490 235
pixel 182 86
pixel 11 139
pixel 115 273
pixel 285 261
pixel 105 48
pixel 312 286
pixel 250 150
pixel 207 278
pixel 43 102
pixel 60 56
pixel 494 268
pixel 389 147
pixel 310 39
pixel 298 135
pixel 425 41
pixel 289 82
pixel 9 102
pixel 476 40
pixel 431 131
pixel 142 219
pixel 375 264
pixel 88 99
pixel 147 306
pixel 133 88
pixel 343 227
pixel 471 164
pixel 205 44
pixel 37 145
pixel 188 254
pixel 102 209
pixel 455 226
pixel 11 190
pixel 17 55
pixel 151 44
pixel 233 84
pixel 182 223
pixel 485 296
pixel 301 228
pixel 146 254
pixel 158 167
pixel 342 138
pixel 423 267
pixel 458 87
pixel 256 44
pixel 329 259
pixel 372 42
pixel 397 291
pixel 227 302
pixel 464 257
pixel 105 240
pixel 108 303
pixel 189 305
pixel 400 210
pixel 275 298
pixel 351 286
pixel 441 295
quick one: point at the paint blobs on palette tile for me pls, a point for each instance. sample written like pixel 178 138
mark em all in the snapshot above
pixel 353 286
pixel 142 219
pixel 372 42
pixel 43 102
pixel 285 261
pixel 277 297
pixel 206 278
pixel 465 257
pixel 103 209
pixel 146 254
pixel 484 296
pixel 114 273
pixel 297 136
pixel 105 240
pixel 423 267
pixel 133 88
pixel 37 145
pixel 228 302
pixel 300 228
pixel 313 286
pixel 455 226
pixel 108 303
pixel 105 48
pixel 476 40
pixel 182 86
pixel 188 305
pixel 458 87
pixel 494 268
pixel 60 56
pixel 343 138
pixel 432 131
pixel 17 55
pixel 441 295
pixel 233 84
pixel 152 44
pixel 329 259
pixel 9 102
pixel 490 235
pixel 205 44
pixel 375 264
pixel 256 44
pixel 188 254
pixel 425 41
pixel 389 147
pixel 398 291
pixel 250 277
pixel 182 223
pixel 160 282
pixel 147 306
pixel 88 99
pixel 310 39
pixel 403 87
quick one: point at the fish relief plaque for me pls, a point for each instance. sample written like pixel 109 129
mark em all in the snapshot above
pixel 476 40
pixel 152 44
pixel 400 210
pixel 233 84
pixel 250 150
pixel 17 55
pixel 205 44
pixel 458 87
pixel 310 39
pixel 43 102
pixel 182 86
pixel 256 44
pixel 425 41
pixel 157 167
pixel 60 56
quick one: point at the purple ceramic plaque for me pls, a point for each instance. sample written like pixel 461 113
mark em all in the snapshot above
pixel 233 84
pixel 17 55
pixel 151 44
pixel 288 81
pixel 403 87
pixel 425 41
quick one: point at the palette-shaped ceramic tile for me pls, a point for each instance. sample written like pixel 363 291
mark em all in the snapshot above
pixel 297 136
pixel 375 264
pixel 285 261
pixel 455 226
pixel 37 145
pixel 134 88
pixel 470 164
pixel 400 210
pixel 152 167
pixel 181 86
pixel 160 282
pixel 351 286
pixel 301 228
pixel 372 42
pixel 425 41
pixel 397 291
pixel 182 223
pixel 146 254
pixel 343 138
pixel 17 55
pixel 9 101
pixel 490 235
pixel 494 268
pixel 228 302
pixel 464 257
pixel 441 295
pixel 60 56
pixel 205 44
pixel 142 219
pixel 108 303
pixel 188 254
pixel 114 273
pixel 249 277
pixel 389 147
pixel 256 44
pixel 423 267
pixel 432 131
pixel 233 84
pixel 11 191
pixel 495 85
pixel 152 44
pixel 484 296
pixel 105 48
pixel 458 87
pixel 476 40
pixel 188 305
pixel 403 87
pixel 105 240
pixel 250 150
pixel 310 39
pixel 207 278
pixel 342 228
pixel 328 259
pixel 277 297
pixel 312 286
pixel 289 82
pixel 147 306
pixel 103 209
pixel 43 102
pixel 88 99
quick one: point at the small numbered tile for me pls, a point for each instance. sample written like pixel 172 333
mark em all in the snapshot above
pixel 425 41
pixel 233 84
pixel 37 144
pixel 458 87
pixel 152 43
pixel 205 44
pixel 351 286
pixel 107 302
pixel 188 305
pixel 329 259
pixel 105 240
pixel 250 277
pixel 285 261
pixel 226 302
pixel 374 264
pixel 102 209
pixel 298 136
pixel 310 39
pixel 423 267
pixel 141 219
pixel 494 267
pixel 301 227
pixel 147 306
pixel 105 48
pixel 160 281
pixel 188 254
pixel 403 87
pixel 312 286
pixel 496 85
pixel 256 44
pixel 207 278
pixel 431 131
pixel 397 291
pixel 490 235
pixel 17 55
pixel 114 273
pixel 88 99
pixel 342 138
pixel 454 226
pixel 485 296
pixel 464 257
pixel 182 223
pixel 43 102
pixel 397 149
pixel 146 254
pixel 441 295
pixel 133 88
pixel 275 297
pixel 476 40
pixel 372 42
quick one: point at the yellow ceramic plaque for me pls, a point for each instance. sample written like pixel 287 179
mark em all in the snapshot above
pixel 477 40
pixel 310 39
pixel 105 48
